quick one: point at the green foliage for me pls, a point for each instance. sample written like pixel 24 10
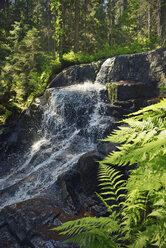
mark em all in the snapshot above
pixel 71 58
pixel 56 9
pixel 137 206
pixel 91 232
pixel 112 184
pixel 26 70
pixel 145 132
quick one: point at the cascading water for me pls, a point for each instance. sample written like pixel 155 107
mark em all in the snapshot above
pixel 73 120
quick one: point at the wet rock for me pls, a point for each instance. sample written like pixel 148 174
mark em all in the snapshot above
pixel 126 96
pixel 95 207
pixel 126 90
pixel 25 130
pixel 38 243
pixel 145 67
pixel 81 182
pixel 75 74
pixel 7 239
pixel 28 224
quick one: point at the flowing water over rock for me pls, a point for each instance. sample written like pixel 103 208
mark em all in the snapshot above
pixel 60 133
pixel 74 118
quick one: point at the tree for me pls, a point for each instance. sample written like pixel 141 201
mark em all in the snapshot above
pixel 77 20
pixel 56 8
pixel 23 64
pixel 125 3
pixel 111 20
pixel 161 20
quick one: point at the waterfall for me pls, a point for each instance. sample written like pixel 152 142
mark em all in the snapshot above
pixel 105 70
pixel 74 119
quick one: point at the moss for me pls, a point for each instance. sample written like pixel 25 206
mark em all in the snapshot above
pixel 97 65
pixel 4 117
pixel 162 87
pixel 112 92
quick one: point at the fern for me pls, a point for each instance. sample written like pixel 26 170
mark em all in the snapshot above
pixel 137 206
pixel 91 232
pixel 103 232
pixel 112 185
pixel 146 131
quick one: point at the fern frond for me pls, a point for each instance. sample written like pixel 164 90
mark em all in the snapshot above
pixel 154 235
pixel 112 184
pixel 140 241
pixel 142 147
pixel 157 110
pixel 91 231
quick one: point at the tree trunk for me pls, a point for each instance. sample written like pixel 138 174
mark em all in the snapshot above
pixel 149 21
pixel 27 10
pixel 158 18
pixel 111 20
pixel 76 34
pixel 84 23
pixel 7 7
pixel 63 26
pixel 163 21
pixel 49 25
pixel 125 3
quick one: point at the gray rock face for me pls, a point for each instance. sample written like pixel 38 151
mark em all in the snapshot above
pixel 144 67
pixel 19 137
pixel 76 74
pixel 134 90
pixel 80 183
pixel 28 224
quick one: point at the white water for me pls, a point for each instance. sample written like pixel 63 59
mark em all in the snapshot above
pixel 73 120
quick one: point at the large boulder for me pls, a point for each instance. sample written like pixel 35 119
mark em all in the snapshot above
pixel 17 138
pixel 128 96
pixel 80 183
pixel 148 67
pixel 76 74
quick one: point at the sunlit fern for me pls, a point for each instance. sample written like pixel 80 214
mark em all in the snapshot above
pixel 137 206
pixel 103 232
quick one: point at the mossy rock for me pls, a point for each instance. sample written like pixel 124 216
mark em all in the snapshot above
pixel 112 90
pixel 126 90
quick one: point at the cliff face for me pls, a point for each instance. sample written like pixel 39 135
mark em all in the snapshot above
pixel 146 67
pixel 48 160
pixel 131 80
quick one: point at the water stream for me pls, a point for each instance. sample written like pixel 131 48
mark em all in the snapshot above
pixel 74 119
